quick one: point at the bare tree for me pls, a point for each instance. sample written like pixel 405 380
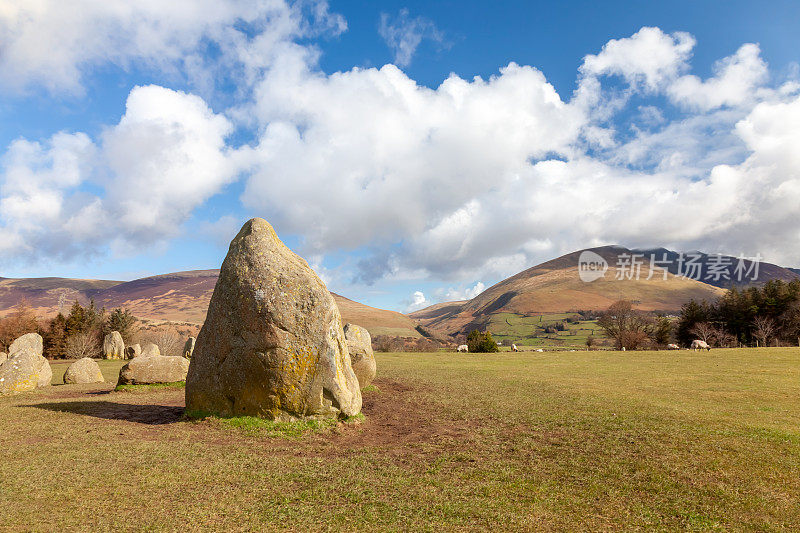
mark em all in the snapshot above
pixel 628 327
pixel 722 338
pixel 703 331
pixel 167 339
pixel 763 329
pixel 82 345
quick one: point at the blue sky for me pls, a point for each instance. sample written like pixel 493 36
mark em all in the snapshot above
pixel 135 139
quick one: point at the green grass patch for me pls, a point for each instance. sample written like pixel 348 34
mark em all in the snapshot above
pixel 264 427
pixel 371 388
pixel 150 386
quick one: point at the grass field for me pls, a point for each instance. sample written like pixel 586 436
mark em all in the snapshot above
pixel 530 330
pixel 556 440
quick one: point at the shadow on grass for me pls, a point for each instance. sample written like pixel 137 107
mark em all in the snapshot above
pixel 141 414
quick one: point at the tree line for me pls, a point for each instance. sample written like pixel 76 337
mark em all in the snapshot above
pixel 766 315
pixel 78 334
pixel 756 316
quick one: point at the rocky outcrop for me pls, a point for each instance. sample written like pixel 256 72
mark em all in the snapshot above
pixel 113 346
pixel 84 370
pixel 272 344
pixel 362 358
pixel 153 369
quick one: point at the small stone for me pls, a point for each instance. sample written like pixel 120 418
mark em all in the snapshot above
pixel 150 350
pixel 113 346
pixel 84 370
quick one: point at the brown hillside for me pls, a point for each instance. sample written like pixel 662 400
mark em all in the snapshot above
pixel 175 297
pixel 555 287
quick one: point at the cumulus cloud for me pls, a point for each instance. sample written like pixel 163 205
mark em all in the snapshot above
pixel 404 33
pixel 454 294
pixel 735 80
pixel 52 44
pixel 416 302
pixel 647 59
pixel 164 158
pixel 475 179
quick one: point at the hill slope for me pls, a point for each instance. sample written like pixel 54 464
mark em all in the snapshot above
pixel 175 297
pixel 555 287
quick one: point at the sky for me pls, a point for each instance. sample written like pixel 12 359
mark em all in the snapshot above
pixel 412 152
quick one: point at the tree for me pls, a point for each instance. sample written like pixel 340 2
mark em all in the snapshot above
pixel 481 342
pixel 82 345
pixel 167 340
pixel 629 328
pixel 123 321
pixel 703 331
pixel 723 339
pixel 589 342
pixel 763 329
pixel 21 321
pixel 55 338
pixel 692 313
pixel 662 331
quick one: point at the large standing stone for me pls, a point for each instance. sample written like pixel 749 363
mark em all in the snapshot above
pixel 272 344
pixel 84 370
pixel 113 347
pixel 25 369
pixel 359 344
pixel 150 350
pixel 153 369
pixel 30 341
pixel 134 350
pixel 188 348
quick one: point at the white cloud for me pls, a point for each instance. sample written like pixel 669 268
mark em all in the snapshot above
pixel 372 145
pixel 647 59
pixel 166 157
pixel 472 180
pixel 453 294
pixel 404 33
pixel 734 83
pixel 416 302
pixel 52 44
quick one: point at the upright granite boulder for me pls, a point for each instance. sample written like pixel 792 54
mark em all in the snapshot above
pixel 145 370
pixel 150 350
pixel 359 344
pixel 134 350
pixel 188 348
pixel 84 370
pixel 113 347
pixel 25 369
pixel 30 341
pixel 272 344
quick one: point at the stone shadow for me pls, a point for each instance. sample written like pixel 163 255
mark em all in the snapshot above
pixel 139 413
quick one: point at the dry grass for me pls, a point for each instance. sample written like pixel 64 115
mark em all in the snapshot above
pixel 581 440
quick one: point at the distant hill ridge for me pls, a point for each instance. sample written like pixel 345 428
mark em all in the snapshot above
pixel 174 297
pixel 555 286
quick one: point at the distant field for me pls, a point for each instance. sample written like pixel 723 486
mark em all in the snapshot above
pixel 556 440
pixel 530 330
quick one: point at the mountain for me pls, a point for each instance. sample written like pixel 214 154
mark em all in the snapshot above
pixel 175 297
pixel 556 286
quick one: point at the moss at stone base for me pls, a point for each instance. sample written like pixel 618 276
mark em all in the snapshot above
pixel 293 429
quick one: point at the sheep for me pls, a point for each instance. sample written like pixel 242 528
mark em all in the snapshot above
pixel 697 344
pixel 463 348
